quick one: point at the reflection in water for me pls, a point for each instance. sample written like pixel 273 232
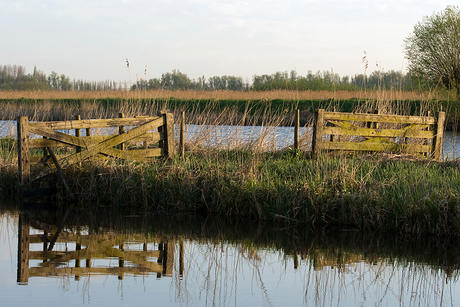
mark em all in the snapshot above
pixel 89 247
pixel 215 262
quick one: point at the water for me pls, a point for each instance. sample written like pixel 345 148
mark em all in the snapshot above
pixel 209 262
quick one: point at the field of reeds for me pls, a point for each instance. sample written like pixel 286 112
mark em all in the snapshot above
pixel 226 176
pixel 232 95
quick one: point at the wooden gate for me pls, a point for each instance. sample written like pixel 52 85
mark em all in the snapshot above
pixel 155 133
pixel 375 132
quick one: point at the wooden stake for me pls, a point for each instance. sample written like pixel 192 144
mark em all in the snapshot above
pixel 121 130
pixel 169 133
pixel 441 118
pixel 78 134
pixel 182 134
pixel 23 150
pixel 318 132
pixel 296 129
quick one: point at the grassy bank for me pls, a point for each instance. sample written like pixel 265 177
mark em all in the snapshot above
pixel 368 193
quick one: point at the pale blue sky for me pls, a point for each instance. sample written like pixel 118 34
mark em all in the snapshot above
pixel 91 40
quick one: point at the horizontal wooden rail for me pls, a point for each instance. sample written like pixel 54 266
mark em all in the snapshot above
pixel 94 123
pixel 380 118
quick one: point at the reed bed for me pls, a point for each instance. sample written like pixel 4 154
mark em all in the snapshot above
pixel 245 95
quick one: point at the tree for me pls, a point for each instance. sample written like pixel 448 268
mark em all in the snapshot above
pixel 433 49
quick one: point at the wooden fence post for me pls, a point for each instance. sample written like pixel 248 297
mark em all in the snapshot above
pixel 169 133
pixel 121 130
pixel 182 134
pixel 296 129
pixel 437 144
pixel 318 132
pixel 23 150
pixel 78 134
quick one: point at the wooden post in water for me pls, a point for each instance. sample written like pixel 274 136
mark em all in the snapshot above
pixel 318 132
pixel 437 144
pixel 121 130
pixel 182 134
pixel 23 249
pixel 78 134
pixel 296 129
pixel 23 150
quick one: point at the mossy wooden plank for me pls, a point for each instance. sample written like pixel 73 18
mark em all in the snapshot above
pixel 385 147
pixel 380 118
pixel 62 137
pixel 94 123
pixel 42 160
pixel 134 155
pixel 343 124
pixel 40 143
pixel 410 131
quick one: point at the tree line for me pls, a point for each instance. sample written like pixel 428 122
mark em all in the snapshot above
pixel 14 77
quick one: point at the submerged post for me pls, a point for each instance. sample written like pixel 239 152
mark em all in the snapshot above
pixel 437 144
pixel 317 132
pixel 23 150
pixel 296 129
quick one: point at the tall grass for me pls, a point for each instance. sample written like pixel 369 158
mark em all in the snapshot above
pixel 191 94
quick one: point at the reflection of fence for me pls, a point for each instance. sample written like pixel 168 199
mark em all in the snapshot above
pixel 89 248
pixel 389 133
pixel 93 146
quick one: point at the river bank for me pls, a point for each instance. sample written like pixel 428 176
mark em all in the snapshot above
pixel 372 193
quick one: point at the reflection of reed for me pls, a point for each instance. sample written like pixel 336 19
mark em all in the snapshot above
pixel 217 272
pixel 386 283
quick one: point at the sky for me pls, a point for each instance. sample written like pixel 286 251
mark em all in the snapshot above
pixel 91 39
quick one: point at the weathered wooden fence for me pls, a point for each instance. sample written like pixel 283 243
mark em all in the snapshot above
pixel 155 133
pixel 376 132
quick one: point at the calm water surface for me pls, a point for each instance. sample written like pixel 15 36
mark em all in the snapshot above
pixel 109 260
